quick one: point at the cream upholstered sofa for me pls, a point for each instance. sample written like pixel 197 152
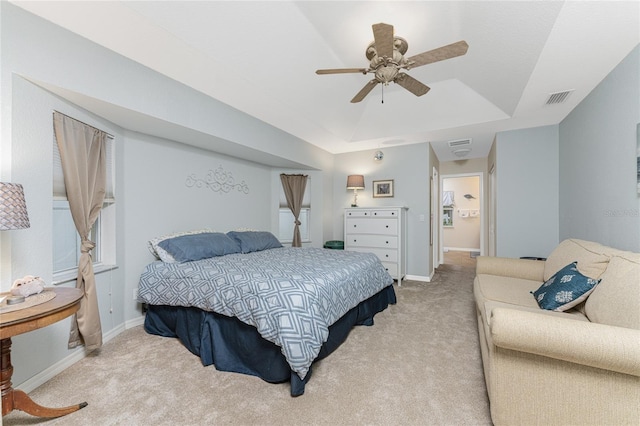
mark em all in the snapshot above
pixel 544 367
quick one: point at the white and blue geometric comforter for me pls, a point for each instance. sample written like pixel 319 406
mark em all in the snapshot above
pixel 290 295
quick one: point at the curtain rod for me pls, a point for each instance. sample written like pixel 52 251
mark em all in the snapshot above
pixel 89 125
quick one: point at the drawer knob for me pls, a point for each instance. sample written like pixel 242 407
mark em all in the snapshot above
pixel 387 242
pixel 386 255
pixel 387 226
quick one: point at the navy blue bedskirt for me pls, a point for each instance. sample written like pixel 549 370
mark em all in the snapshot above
pixel 232 345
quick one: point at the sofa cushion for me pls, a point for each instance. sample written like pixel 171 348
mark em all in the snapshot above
pixel 564 290
pixel 616 300
pixel 591 257
pixel 515 291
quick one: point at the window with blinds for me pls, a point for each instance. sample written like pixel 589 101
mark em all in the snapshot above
pixel 286 219
pixel 66 241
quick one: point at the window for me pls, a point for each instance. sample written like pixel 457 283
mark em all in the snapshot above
pixel 66 241
pixel 447 217
pixel 286 219
pixel 287 222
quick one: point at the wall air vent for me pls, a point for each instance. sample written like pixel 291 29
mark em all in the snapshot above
pixel 459 143
pixel 558 97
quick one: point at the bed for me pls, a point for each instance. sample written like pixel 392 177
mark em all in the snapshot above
pixel 242 302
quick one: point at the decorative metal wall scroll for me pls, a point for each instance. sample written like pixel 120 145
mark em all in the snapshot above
pixel 217 180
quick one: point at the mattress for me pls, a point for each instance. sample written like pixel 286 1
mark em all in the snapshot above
pixel 291 296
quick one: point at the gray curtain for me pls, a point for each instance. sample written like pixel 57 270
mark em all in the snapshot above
pixel 294 186
pixel 83 157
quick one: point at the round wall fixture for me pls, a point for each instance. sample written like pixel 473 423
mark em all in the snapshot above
pixel 462 152
pixel 378 156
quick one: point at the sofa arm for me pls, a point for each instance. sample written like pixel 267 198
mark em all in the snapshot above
pixel 581 342
pixel 509 267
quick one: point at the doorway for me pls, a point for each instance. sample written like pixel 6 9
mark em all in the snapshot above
pixel 461 224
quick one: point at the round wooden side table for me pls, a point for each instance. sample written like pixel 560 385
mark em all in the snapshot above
pixel 65 303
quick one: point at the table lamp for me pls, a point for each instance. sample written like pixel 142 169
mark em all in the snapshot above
pixel 13 215
pixel 355 182
pixel 13 208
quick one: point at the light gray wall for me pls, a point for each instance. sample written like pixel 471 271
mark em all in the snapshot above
pixel 150 171
pixel 408 166
pixel 598 197
pixel 158 201
pixel 527 165
pixel 29 251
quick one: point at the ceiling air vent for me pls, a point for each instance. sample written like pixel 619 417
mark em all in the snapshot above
pixel 558 97
pixel 459 143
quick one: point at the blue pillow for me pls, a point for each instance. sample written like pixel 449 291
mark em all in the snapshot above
pixel 187 248
pixel 251 241
pixel 565 289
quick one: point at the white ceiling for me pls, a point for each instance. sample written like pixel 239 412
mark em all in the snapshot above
pixel 260 58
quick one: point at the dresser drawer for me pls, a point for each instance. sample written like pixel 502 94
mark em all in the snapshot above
pixel 368 240
pixel 372 226
pixel 392 268
pixel 359 213
pixel 385 255
pixel 384 213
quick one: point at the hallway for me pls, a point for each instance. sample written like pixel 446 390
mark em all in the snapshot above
pixel 460 259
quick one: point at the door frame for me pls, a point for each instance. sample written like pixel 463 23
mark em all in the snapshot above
pixel 483 216
pixel 435 219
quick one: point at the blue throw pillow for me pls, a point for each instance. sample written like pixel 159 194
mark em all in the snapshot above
pixel 251 241
pixel 567 288
pixel 187 248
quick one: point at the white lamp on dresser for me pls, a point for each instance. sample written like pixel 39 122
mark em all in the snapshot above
pixel 355 182
pixel 379 230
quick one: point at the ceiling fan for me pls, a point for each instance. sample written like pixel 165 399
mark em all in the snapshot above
pixel 386 60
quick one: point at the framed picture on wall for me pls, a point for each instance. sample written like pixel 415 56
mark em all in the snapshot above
pixel 383 188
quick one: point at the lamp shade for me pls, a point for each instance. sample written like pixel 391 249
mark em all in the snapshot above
pixel 13 208
pixel 355 182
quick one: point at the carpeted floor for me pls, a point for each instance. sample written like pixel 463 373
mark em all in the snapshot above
pixel 418 365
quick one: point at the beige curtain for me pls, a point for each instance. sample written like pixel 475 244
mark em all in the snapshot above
pixel 294 186
pixel 83 157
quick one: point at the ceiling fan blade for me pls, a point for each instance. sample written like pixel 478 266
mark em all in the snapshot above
pixel 343 71
pixel 383 36
pixel 411 84
pixel 365 91
pixel 440 54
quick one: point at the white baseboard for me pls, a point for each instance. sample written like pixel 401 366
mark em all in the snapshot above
pixel 460 249
pixel 78 354
pixel 418 278
pixel 134 322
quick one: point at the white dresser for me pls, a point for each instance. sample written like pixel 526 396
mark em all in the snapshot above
pixel 379 230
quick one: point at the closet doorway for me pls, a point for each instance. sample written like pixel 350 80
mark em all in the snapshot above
pixel 461 223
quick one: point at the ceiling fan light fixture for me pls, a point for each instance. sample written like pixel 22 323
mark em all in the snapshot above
pixel 386 60
pixel 386 74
